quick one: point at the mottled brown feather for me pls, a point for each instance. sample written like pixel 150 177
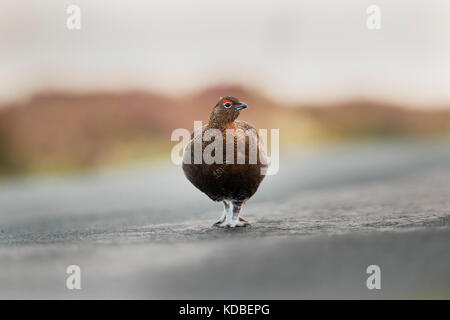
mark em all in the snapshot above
pixel 226 181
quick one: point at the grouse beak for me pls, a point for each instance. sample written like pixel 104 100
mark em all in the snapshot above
pixel 241 106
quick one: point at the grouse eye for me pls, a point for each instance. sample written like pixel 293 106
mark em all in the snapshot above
pixel 227 104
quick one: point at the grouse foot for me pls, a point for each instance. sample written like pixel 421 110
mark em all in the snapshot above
pixel 227 211
pixel 233 224
pixel 218 222
pixel 221 224
pixel 230 217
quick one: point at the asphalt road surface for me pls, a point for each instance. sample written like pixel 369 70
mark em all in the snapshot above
pixel 145 232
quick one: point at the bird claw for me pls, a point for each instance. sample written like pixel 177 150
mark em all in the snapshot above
pixel 231 224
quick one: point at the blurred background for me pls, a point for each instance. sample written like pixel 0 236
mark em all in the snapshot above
pixel 114 90
pixel 85 123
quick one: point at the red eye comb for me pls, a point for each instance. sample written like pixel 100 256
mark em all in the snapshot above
pixel 227 101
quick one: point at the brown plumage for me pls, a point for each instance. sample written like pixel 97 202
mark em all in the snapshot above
pixel 232 183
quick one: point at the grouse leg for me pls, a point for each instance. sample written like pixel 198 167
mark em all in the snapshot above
pixel 226 211
pixel 237 221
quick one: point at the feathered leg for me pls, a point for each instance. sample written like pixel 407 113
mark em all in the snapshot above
pixel 236 220
pixel 226 211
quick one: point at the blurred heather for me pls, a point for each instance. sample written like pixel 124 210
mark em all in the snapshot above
pixel 56 131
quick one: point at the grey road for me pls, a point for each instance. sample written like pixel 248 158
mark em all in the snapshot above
pixel 145 232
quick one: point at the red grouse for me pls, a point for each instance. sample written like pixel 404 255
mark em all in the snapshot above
pixel 238 167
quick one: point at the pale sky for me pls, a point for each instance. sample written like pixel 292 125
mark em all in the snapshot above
pixel 294 50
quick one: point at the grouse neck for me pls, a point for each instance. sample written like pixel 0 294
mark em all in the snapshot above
pixel 221 125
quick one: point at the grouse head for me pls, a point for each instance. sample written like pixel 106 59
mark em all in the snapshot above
pixel 225 111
